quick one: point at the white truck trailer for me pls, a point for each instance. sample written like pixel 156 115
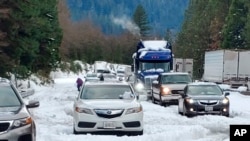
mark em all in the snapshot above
pixel 183 65
pixel 228 67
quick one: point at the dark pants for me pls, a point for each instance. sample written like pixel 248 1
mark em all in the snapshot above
pixel 79 87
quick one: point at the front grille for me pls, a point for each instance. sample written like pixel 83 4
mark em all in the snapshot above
pixel 4 126
pixel 108 113
pixel 132 124
pixel 207 102
pixel 176 91
pixel 203 103
pixel 86 124
pixel 148 83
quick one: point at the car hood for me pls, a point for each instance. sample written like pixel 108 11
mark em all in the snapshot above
pixel 12 113
pixel 178 86
pixel 207 97
pixel 108 104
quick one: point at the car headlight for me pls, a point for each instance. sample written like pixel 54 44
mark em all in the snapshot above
pixel 165 91
pixel 134 110
pixel 83 110
pixel 225 101
pixel 21 122
pixel 189 100
pixel 139 86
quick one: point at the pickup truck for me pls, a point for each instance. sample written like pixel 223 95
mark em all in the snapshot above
pixel 168 86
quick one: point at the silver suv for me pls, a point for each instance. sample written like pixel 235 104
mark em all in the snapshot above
pixel 168 86
pixel 16 122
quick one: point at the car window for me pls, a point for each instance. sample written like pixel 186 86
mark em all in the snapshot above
pixel 8 98
pixel 204 90
pixel 167 79
pixel 105 92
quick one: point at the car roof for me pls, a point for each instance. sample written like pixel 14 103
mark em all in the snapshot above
pixel 202 83
pixel 175 73
pixel 105 83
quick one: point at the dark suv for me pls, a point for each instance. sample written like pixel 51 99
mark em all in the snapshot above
pixel 16 122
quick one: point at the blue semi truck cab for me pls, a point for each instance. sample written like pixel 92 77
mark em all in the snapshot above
pixel 151 58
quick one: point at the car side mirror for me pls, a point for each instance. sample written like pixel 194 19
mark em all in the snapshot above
pixel 33 104
pixel 181 93
pixel 227 94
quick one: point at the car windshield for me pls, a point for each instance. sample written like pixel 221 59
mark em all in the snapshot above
pixel 107 92
pixel 204 90
pixel 109 76
pixel 8 98
pixel 181 78
pixel 155 67
pixel 92 75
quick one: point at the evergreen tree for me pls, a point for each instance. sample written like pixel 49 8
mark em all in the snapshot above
pixel 201 31
pixel 233 36
pixel 141 20
pixel 246 32
pixel 34 36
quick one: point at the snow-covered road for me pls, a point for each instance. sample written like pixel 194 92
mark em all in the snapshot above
pixel 54 119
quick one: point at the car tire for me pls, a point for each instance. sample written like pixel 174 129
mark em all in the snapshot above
pixel 136 133
pixel 184 110
pixel 74 131
pixel 185 113
pixel 181 113
pixel 161 102
pixel 152 98
pixel 226 114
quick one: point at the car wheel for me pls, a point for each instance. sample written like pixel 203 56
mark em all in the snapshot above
pixel 152 98
pixel 161 102
pixel 184 110
pixel 136 133
pixel 226 114
pixel 74 131
pixel 181 113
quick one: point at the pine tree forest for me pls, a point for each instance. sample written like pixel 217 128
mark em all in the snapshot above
pixel 212 25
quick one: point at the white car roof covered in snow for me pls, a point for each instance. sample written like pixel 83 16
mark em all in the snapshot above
pixel 202 83
pixel 175 73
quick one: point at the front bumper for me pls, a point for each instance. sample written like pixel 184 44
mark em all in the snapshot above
pixel 199 109
pixel 124 123
pixel 23 133
pixel 173 98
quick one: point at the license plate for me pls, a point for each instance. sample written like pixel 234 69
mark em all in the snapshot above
pixel 109 124
pixel 208 108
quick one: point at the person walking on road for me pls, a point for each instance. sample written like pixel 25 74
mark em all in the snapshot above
pixel 79 83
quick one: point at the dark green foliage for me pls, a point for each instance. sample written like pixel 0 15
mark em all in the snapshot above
pixel 141 20
pixel 34 36
pixel 233 32
pixel 76 67
pixel 201 31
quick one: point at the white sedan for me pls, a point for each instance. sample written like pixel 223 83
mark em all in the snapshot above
pixel 107 107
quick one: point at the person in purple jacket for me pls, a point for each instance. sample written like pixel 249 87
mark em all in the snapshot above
pixel 79 83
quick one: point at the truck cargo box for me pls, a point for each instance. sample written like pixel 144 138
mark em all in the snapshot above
pixel 220 65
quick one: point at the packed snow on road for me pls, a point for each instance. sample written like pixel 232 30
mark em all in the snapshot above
pixel 54 119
